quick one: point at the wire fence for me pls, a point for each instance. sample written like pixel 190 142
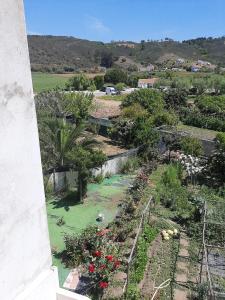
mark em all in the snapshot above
pixel 212 268
pixel 145 218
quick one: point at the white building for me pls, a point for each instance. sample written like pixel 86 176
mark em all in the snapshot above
pixel 147 83
pixel 26 271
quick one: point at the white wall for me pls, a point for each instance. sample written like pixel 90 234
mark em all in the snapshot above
pixel 24 241
pixel 25 257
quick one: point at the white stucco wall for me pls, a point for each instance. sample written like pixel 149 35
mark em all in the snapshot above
pixel 24 241
pixel 25 256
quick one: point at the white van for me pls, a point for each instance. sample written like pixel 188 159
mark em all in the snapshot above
pixel 110 91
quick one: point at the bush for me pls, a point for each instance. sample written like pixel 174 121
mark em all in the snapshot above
pixel 98 179
pixel 211 104
pixel 195 118
pixel 165 118
pixel 133 292
pixel 134 111
pixel 130 165
pixel 192 146
pixel 171 178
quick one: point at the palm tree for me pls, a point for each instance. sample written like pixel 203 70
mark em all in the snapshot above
pixel 65 144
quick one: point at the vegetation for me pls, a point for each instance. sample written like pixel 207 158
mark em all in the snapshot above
pixel 63 143
pixel 67 50
pixel 43 81
pixel 191 145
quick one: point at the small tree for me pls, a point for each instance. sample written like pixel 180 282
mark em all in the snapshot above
pixel 120 87
pixel 79 83
pixel 99 82
pixel 79 105
pixel 115 76
pixel 83 158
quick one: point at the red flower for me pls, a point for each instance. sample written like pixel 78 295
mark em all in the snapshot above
pixel 91 268
pixel 97 253
pixel 102 267
pixel 103 284
pixel 116 263
pixel 109 257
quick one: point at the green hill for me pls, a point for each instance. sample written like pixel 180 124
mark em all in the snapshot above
pixel 68 54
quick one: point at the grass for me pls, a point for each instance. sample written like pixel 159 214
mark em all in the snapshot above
pixel 45 81
pixel 113 97
pixel 101 198
pixel 198 132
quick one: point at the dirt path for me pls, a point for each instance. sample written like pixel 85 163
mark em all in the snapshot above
pixel 182 269
pixel 147 285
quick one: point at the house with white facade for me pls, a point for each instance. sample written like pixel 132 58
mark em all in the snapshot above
pixel 147 83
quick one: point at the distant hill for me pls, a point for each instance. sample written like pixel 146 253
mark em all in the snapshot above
pixel 54 53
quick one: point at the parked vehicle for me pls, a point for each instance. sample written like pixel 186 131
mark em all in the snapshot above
pixel 110 91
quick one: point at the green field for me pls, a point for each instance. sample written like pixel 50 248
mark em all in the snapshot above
pixel 101 198
pixel 113 97
pixel 44 81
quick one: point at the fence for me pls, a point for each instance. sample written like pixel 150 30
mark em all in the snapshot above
pixel 145 216
pixel 211 268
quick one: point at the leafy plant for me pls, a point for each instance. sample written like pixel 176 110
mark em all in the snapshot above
pixel 191 145
pixel 141 258
pixel 61 221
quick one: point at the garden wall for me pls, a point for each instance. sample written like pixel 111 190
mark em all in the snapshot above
pixel 115 163
pixel 59 181
pixel 208 145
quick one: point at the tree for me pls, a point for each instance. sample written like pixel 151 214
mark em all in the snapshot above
pixel 115 76
pixel 106 59
pixel 67 146
pixel 216 162
pixel 99 82
pixel 175 98
pixel 200 85
pixel 78 105
pixel 63 143
pixel 56 140
pixel 83 158
pixel 149 99
pixel 79 83
pixel 120 87
pixel 142 45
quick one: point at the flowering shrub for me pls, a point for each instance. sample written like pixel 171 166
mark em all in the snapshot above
pixel 100 268
pixel 139 185
pixel 192 165
pixel 90 242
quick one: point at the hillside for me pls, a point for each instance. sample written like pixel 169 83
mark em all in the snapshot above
pixel 52 53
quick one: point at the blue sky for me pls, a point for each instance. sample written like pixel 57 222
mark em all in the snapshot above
pixel 107 20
